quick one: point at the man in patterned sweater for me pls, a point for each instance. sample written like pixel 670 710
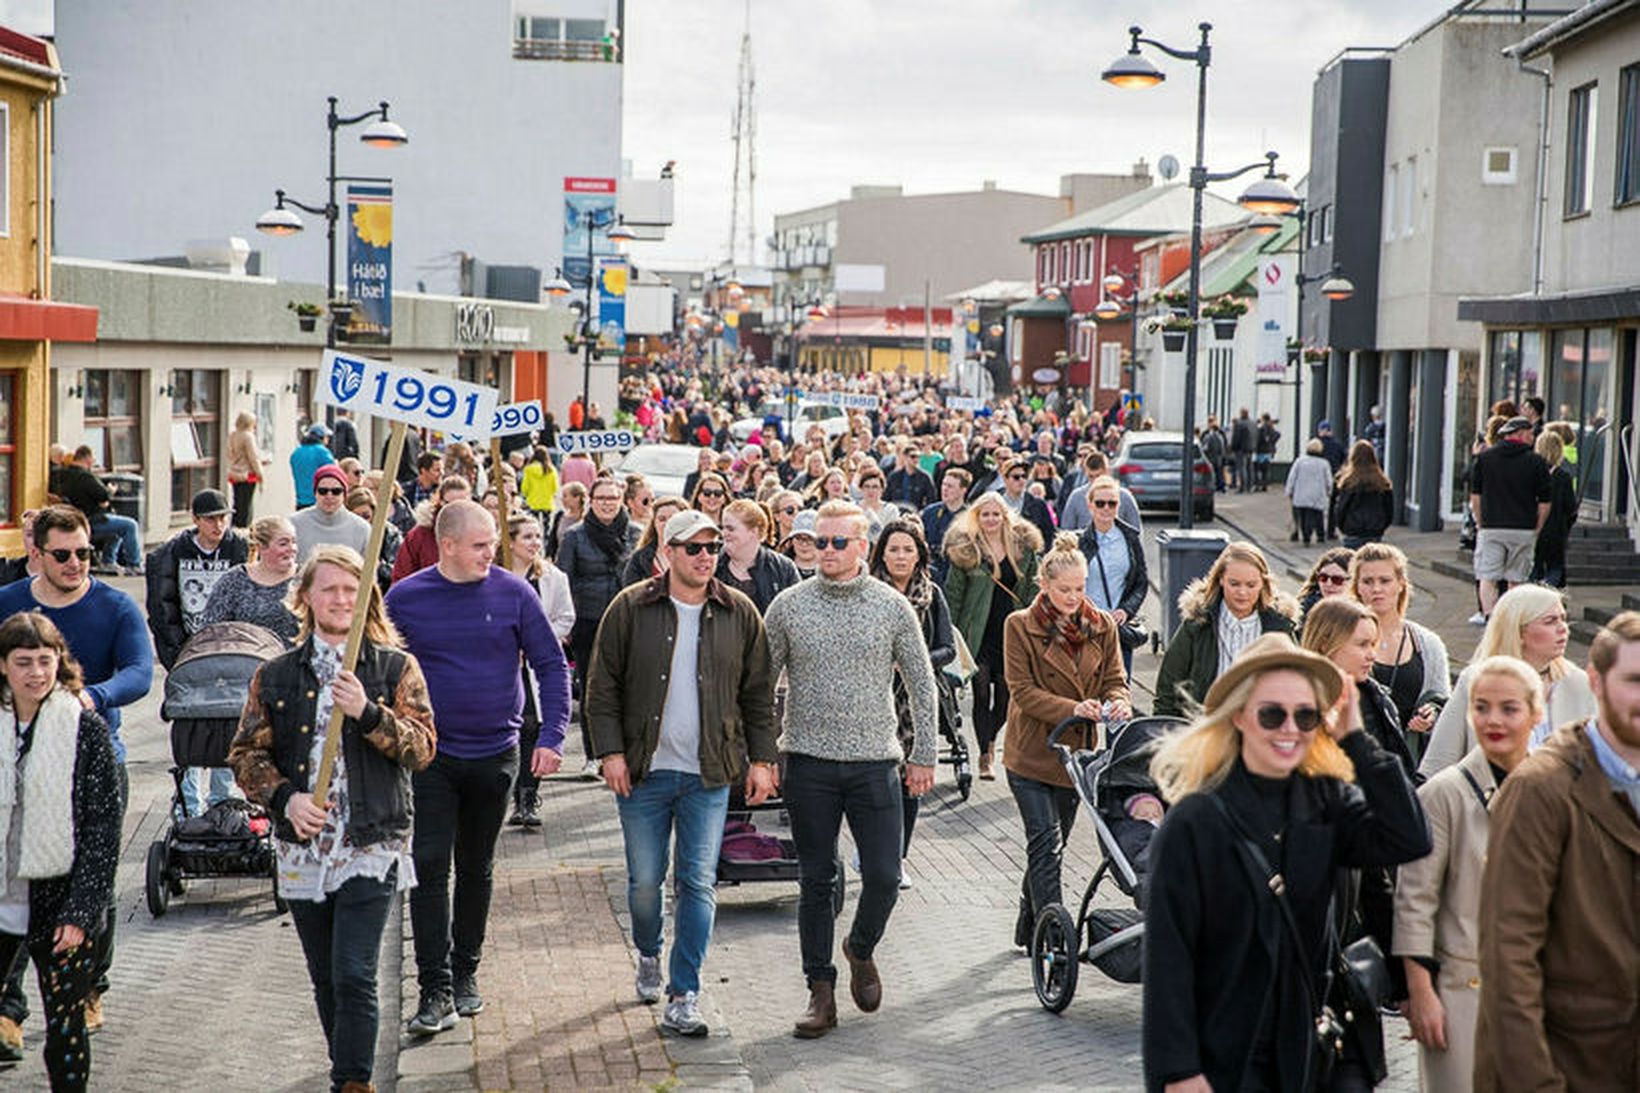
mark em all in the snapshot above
pixel 840 638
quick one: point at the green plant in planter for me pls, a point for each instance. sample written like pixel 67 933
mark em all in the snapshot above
pixel 303 309
pixel 1176 300
pixel 1225 307
pixel 1315 354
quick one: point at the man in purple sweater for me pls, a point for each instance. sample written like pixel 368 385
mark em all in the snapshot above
pixel 467 623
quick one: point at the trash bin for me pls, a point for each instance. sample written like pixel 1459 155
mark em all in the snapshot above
pixel 127 497
pixel 1186 555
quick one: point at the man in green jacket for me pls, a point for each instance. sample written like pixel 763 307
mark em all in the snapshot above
pixel 678 697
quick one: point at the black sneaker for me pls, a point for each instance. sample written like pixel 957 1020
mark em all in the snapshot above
pixel 468 1001
pixel 436 1014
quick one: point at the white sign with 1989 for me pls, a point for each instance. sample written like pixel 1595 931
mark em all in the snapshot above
pixel 409 395
pixel 602 440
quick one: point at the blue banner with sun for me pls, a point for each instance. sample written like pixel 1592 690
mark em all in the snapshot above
pixel 370 261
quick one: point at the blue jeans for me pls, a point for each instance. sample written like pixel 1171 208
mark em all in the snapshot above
pixel 341 937
pixel 129 548
pixel 195 793
pixel 663 800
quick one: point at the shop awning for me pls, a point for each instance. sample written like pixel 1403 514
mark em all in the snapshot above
pixel 23 318
pixel 1597 306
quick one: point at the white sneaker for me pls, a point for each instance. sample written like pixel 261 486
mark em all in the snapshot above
pixel 683 1017
pixel 593 771
pixel 1477 619
pixel 648 982
pixel 905 883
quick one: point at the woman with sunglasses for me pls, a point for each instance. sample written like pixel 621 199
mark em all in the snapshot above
pixel 747 564
pixel 1410 660
pixel 1273 788
pixel 1118 579
pixel 711 495
pixel 1220 615
pixel 59 830
pixel 900 559
pixel 1528 623
pixel 648 560
pixel 1438 898
pixel 1062 659
pixel 705 462
pixel 993 555
pixel 1330 576
pixel 784 504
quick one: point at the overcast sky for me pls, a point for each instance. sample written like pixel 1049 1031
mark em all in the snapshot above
pixel 940 95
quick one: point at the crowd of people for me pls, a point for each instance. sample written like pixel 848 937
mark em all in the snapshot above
pixel 791 626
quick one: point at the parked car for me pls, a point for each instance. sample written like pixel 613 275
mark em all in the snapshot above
pixel 833 419
pixel 663 466
pixel 1147 463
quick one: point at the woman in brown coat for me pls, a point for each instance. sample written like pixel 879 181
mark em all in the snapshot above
pixel 1061 658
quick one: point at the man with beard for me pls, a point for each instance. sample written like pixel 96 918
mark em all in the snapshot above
pixel 1560 972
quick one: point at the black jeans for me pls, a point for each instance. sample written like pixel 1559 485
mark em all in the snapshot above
pixel 819 793
pixel 581 638
pixel 341 938
pixel 243 492
pixel 990 703
pixel 102 946
pixel 1049 812
pixel 65 981
pixel 460 804
pixel 1310 524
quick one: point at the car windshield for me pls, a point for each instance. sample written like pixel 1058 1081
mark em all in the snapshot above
pixel 666 461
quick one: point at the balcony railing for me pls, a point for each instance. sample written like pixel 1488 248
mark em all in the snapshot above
pixel 552 49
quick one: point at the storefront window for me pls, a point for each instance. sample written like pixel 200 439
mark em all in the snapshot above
pixel 196 400
pixel 8 448
pixel 1593 444
pixel 1516 366
pixel 113 419
pixel 1466 421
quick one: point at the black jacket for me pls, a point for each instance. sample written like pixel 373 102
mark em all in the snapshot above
pixel 344 440
pixel 168 616
pixel 911 487
pixel 1512 480
pixel 80 488
pixel 278 724
pixel 1359 513
pixel 1215 936
pixel 81 896
pixel 772 574
pixel 594 577
pixel 1562 505
pixel 1243 436
pixel 1137 582
pixel 639 567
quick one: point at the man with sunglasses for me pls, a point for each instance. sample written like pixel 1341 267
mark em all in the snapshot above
pixel 840 638
pixel 1012 477
pixel 678 661
pixel 328 522
pixel 105 632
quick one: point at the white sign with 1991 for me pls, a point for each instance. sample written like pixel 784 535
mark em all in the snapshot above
pixel 409 395
pixel 602 440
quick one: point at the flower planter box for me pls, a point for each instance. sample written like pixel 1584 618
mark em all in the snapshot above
pixel 1224 329
pixel 306 323
pixel 1173 341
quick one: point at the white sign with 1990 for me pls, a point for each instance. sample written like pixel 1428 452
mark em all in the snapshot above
pixel 409 395
pixel 602 440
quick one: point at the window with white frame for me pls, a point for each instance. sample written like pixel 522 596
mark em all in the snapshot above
pixel 1110 364
pixel 1498 167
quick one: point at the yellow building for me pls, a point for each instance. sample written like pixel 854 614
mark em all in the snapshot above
pixel 890 340
pixel 29 321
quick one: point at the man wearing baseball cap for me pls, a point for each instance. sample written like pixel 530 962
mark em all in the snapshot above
pixel 328 521
pixel 1509 491
pixel 308 457
pixel 667 750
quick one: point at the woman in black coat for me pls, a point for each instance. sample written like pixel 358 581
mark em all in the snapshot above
pixel 1230 981
pixel 1363 499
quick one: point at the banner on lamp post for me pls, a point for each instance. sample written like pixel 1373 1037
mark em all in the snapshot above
pixel 370 261
pixel 613 274
pixel 1274 293
pixel 586 199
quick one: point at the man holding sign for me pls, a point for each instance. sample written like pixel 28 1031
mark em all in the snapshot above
pixel 468 623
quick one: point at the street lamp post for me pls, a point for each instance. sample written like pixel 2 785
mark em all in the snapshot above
pixel 279 220
pixel 589 333
pixel 1268 194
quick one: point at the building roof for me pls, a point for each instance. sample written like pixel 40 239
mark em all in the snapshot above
pixel 1238 259
pixel 27 53
pixel 1155 210
pixel 995 292
pixel 1042 307
pixel 1570 26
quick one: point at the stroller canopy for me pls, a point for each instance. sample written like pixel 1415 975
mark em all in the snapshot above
pixel 212 674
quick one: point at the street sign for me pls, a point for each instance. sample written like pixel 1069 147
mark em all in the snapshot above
pixel 603 440
pixel 1133 402
pixel 373 387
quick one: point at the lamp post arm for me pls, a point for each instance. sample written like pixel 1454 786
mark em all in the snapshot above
pixel 1201 55
pixel 316 210
pixel 1225 176
pixel 336 121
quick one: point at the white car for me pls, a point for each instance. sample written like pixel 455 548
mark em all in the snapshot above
pixel 663 466
pixel 833 419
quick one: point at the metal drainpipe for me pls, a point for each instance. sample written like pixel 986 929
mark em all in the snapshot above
pixel 1542 175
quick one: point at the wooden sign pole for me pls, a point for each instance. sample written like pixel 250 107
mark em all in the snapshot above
pixel 361 609
pixel 503 502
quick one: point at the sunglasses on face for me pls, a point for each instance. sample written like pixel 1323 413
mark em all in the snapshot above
pixel 789 510
pixel 329 491
pixel 836 542
pixel 711 493
pixel 1272 716
pixel 1332 578
pixel 1016 478
pixel 694 549
pixel 1105 504
pixel 63 554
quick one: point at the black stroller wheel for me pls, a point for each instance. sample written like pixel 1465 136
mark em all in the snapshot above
pixel 965 784
pixel 156 885
pixel 1055 957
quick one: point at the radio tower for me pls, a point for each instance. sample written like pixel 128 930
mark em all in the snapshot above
pixel 745 139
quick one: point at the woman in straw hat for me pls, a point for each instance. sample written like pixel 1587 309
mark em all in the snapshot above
pixel 1273 788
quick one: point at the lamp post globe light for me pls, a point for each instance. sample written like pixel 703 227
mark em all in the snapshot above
pixel 281 220
pixel 1268 195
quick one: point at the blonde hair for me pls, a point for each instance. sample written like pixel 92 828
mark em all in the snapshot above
pixel 1064 556
pixel 1510 615
pixel 1200 592
pixel 244 420
pixel 378 630
pixel 844 510
pixel 1012 527
pixel 266 528
pixel 1516 669
pixel 1197 758
pixel 1332 622
pixel 1382 552
pixel 1550 447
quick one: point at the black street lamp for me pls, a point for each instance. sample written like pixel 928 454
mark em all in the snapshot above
pixel 1267 195
pixel 279 220
pixel 620 233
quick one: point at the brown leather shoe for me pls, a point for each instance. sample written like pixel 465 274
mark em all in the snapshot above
pixel 864 984
pixel 821 1016
pixel 11 1041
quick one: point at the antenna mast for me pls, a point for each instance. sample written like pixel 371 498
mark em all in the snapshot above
pixel 745 141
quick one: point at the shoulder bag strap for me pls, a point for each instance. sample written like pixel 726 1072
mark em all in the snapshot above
pixel 1103 581
pixel 1482 795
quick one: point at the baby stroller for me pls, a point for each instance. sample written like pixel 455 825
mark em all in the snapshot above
pixel 205 694
pixel 751 856
pixel 1108 938
pixel 948 684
